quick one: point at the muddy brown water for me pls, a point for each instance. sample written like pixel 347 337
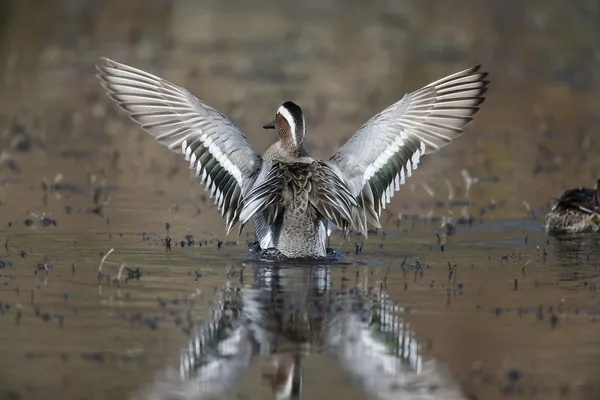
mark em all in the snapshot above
pixel 497 309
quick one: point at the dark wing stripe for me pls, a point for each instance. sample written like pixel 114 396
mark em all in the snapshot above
pixel 263 195
pixel 228 189
pixel 332 198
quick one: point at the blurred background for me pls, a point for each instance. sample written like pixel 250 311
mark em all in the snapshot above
pixel 536 135
pixel 342 61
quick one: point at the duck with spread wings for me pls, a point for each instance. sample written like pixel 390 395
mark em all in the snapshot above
pixel 291 198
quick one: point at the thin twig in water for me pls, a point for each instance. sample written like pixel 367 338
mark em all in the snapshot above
pixel 429 190
pixel 455 275
pixel 119 274
pixel 523 269
pixel 450 271
pixel 403 268
pixel 450 190
pixel 387 270
pixel 529 210
pixel 168 222
pixel 104 259
pixel 417 268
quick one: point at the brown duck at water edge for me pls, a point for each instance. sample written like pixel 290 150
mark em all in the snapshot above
pixel 291 198
pixel 576 211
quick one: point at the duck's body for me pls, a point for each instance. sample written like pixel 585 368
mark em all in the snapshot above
pixel 576 211
pixel 292 199
pixel 296 228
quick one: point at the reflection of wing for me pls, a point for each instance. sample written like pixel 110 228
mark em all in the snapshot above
pixel 216 356
pixel 287 311
pixel 379 349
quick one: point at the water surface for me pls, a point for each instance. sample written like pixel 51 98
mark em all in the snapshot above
pixel 494 309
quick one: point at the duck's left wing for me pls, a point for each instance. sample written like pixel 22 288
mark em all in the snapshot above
pixel 218 151
pixel 378 158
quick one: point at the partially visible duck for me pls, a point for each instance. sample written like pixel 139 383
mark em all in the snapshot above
pixel 290 197
pixel 576 211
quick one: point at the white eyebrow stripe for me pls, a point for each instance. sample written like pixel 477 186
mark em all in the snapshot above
pixel 303 127
pixel 285 113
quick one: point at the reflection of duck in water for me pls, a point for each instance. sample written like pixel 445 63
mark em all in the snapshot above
pixel 290 314
pixel 576 211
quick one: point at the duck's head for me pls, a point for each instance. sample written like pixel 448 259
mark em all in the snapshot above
pixel 289 123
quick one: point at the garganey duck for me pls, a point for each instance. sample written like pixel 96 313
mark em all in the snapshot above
pixel 576 211
pixel 291 198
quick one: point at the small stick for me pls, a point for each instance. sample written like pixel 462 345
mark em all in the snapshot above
pixel 523 268
pixel 104 259
pixel 120 271
pixel 450 190
pixel 529 210
pixel 168 223
pixel 387 270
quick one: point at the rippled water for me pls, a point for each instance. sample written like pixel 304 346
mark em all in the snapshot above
pixel 494 309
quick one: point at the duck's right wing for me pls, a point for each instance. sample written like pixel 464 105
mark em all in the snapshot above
pixel 378 158
pixel 218 151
